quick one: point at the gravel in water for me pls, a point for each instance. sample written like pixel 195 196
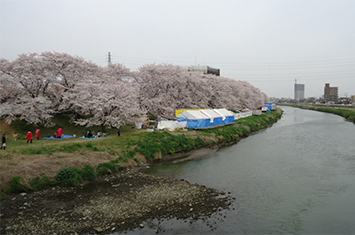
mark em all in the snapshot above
pixel 124 202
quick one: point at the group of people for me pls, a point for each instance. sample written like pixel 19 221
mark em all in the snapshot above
pixel 30 135
pixel 58 134
pixel 92 134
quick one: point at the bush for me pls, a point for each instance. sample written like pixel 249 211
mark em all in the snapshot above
pixel 42 182
pixel 18 185
pixel 69 177
pixel 107 168
pixel 87 172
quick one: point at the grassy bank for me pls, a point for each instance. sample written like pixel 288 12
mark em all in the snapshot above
pixel 347 112
pixel 27 167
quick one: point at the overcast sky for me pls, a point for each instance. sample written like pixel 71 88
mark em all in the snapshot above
pixel 268 43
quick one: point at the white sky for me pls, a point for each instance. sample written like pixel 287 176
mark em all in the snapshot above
pixel 268 43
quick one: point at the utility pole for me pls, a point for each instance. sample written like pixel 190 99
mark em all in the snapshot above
pixel 109 58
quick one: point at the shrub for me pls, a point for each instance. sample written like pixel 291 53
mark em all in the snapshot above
pixel 87 172
pixel 18 185
pixel 69 177
pixel 106 168
pixel 148 148
pixel 42 182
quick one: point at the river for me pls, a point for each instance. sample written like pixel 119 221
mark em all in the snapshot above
pixel 296 177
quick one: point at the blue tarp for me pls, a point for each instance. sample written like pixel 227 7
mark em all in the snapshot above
pixel 63 137
pixel 270 106
pixel 202 119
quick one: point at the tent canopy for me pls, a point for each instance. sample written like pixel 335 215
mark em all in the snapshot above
pixel 209 118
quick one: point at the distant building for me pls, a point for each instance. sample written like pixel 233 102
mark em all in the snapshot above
pixel 353 99
pixel 344 100
pixel 202 69
pixel 299 91
pixel 330 94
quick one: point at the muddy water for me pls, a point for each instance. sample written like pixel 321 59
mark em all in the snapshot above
pixel 296 177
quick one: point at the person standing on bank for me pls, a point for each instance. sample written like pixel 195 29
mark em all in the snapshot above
pixel 3 142
pixel 119 130
pixel 29 137
pixel 15 136
pixel 38 133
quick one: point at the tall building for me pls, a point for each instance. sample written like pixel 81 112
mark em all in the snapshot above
pixel 330 93
pixel 299 91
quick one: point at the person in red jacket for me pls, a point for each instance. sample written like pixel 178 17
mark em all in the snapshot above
pixel 59 132
pixel 29 137
pixel 38 133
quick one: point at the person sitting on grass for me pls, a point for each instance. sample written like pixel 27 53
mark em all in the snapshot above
pixel 98 134
pixel 60 132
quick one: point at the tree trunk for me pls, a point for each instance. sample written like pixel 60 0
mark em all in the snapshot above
pixel 103 128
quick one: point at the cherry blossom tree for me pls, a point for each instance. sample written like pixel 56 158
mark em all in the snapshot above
pixel 65 71
pixel 109 99
pixel 165 88
pixel 35 87
pixel 24 90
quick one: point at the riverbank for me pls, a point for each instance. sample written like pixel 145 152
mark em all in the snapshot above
pixel 45 158
pixel 348 112
pixel 121 201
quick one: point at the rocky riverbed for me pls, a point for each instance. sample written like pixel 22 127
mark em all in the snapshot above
pixel 114 203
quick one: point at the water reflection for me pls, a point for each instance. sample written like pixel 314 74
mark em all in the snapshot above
pixel 295 177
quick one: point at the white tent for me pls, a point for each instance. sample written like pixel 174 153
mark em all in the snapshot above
pixel 224 112
pixel 211 114
pixel 207 118
pixel 171 125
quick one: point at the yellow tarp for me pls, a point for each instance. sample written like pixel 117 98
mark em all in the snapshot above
pixel 180 111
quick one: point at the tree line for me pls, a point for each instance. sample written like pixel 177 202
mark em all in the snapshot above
pixel 34 87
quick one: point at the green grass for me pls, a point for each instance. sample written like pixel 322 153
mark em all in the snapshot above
pixel 145 143
pixel 125 148
pixel 60 120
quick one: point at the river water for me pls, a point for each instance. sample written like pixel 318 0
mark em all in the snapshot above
pixel 296 177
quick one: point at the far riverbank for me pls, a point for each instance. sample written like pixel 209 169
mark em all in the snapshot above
pixel 348 112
